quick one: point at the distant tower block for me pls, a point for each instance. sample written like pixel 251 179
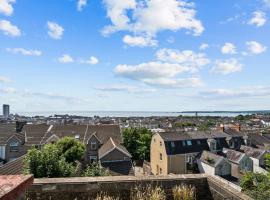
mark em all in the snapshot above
pixel 5 111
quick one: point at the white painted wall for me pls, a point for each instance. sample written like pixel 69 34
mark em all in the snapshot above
pixel 205 168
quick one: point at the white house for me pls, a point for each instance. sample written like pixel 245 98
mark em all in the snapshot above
pixel 257 156
pixel 214 164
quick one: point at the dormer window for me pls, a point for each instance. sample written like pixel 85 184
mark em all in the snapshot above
pixel 189 143
pixel 184 143
pixel 198 142
pixel 172 144
pixel 93 145
pixel 14 146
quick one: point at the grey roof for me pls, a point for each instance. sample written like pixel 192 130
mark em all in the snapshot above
pixel 34 133
pixel 252 152
pixel 211 158
pixel 111 145
pixel 38 134
pixel 233 132
pixel 13 167
pixel 183 135
pixel 233 156
pixel 6 131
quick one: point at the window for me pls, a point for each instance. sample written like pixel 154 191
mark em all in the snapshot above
pixel 172 144
pixel 14 146
pixel 160 156
pixel 160 171
pixel 189 143
pixel 77 137
pixel 154 140
pixel 93 145
pixel 160 143
pixel 198 142
pixel 93 159
pixel 184 143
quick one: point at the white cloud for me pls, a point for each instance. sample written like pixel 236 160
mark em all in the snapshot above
pixel 65 59
pixel 140 41
pixel 258 19
pixel 150 70
pixel 24 52
pixel 4 79
pixel 255 47
pixel 55 31
pixel 187 58
pixel 175 83
pixel 227 66
pixel 228 48
pixel 6 7
pixel 204 46
pixel 243 92
pixel 125 88
pixel 151 17
pixel 91 61
pixel 166 70
pixel 8 90
pixel 9 29
pixel 81 4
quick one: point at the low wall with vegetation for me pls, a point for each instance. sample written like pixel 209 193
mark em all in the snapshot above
pixel 207 187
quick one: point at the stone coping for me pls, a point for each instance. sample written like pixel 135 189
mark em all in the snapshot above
pixel 12 186
pixel 83 180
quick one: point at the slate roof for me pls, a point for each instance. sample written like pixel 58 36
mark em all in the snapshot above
pixel 211 158
pixel 38 134
pixel 252 152
pixel 257 139
pixel 119 168
pixel 13 167
pixel 34 133
pixel 6 131
pixel 110 145
pixel 233 156
pixel 233 132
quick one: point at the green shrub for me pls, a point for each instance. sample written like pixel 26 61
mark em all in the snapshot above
pixel 95 169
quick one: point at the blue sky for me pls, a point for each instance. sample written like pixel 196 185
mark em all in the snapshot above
pixel 134 55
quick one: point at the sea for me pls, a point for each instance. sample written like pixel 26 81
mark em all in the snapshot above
pixel 141 113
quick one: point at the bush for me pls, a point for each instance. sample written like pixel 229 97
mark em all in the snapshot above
pixel 256 185
pixel 147 193
pixel 184 192
pixel 71 149
pixel 95 170
pixel 54 160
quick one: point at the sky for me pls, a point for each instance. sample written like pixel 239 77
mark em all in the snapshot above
pixel 134 55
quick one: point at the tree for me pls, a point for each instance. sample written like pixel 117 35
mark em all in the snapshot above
pixel 137 141
pixel 54 160
pixel 95 169
pixel 71 149
pixel 267 161
pixel 256 185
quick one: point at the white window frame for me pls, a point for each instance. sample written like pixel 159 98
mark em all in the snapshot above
pixel 13 146
pixel 93 158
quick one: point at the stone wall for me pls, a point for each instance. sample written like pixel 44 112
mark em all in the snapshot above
pixel 81 188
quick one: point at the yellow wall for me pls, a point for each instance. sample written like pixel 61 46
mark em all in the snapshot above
pixel 156 149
